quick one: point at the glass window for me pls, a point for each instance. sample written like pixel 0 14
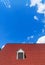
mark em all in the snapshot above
pixel 20 55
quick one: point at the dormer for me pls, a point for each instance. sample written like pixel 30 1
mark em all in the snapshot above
pixel 20 54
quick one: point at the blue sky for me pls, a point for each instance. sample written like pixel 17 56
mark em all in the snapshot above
pixel 20 22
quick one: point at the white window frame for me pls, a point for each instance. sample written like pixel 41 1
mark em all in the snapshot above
pixel 20 51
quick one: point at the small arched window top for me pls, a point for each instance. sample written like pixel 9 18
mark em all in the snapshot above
pixel 20 54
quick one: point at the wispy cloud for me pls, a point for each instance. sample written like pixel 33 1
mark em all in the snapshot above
pixel 36 18
pixel 43 30
pixel 30 37
pixel 26 4
pixel 6 3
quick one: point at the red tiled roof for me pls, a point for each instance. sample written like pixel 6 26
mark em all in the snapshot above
pixel 35 54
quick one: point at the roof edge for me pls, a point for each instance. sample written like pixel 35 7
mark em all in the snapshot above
pixel 19 44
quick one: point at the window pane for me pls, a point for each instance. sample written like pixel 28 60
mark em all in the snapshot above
pixel 20 55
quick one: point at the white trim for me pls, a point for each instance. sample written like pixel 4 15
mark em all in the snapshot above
pixel 2 46
pixel 20 51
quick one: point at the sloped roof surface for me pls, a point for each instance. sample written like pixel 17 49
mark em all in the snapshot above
pixel 35 54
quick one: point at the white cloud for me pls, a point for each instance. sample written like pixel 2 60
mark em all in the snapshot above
pixel 36 18
pixel 41 40
pixel 34 2
pixel 40 6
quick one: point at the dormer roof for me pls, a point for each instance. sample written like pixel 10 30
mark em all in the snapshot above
pixel 20 50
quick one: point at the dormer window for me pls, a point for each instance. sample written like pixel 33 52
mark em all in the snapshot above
pixel 20 54
pixel 0 49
